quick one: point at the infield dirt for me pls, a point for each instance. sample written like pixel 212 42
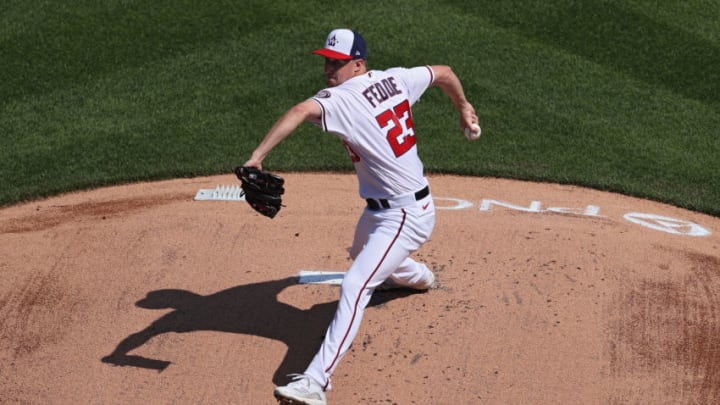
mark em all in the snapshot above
pixel 548 294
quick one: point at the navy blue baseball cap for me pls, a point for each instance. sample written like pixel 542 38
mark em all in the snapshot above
pixel 343 44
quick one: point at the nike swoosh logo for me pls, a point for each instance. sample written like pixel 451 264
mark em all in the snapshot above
pixel 426 205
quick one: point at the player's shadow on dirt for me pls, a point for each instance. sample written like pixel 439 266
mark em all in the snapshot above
pixel 249 309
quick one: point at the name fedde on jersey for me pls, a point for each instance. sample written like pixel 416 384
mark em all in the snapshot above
pixel 381 91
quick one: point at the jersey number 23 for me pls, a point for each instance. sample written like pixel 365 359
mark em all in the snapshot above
pixel 400 130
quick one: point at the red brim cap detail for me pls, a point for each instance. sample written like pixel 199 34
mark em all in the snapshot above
pixel 331 54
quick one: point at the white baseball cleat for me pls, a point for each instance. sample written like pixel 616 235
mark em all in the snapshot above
pixel 302 390
pixel 433 282
pixel 389 284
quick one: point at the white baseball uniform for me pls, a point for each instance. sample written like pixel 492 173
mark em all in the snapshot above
pixel 371 114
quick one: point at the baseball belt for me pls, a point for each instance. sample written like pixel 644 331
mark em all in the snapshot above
pixel 376 204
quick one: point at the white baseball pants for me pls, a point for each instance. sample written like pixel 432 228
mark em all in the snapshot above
pixel 383 242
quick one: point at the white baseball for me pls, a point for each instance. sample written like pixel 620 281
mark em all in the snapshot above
pixel 473 132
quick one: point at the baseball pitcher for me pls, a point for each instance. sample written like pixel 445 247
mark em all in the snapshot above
pixel 370 111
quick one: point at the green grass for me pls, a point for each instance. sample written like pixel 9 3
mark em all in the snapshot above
pixel 615 95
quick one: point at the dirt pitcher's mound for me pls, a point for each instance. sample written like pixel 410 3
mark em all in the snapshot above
pixel 549 294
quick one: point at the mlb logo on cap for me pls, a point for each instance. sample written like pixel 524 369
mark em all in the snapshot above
pixel 343 44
